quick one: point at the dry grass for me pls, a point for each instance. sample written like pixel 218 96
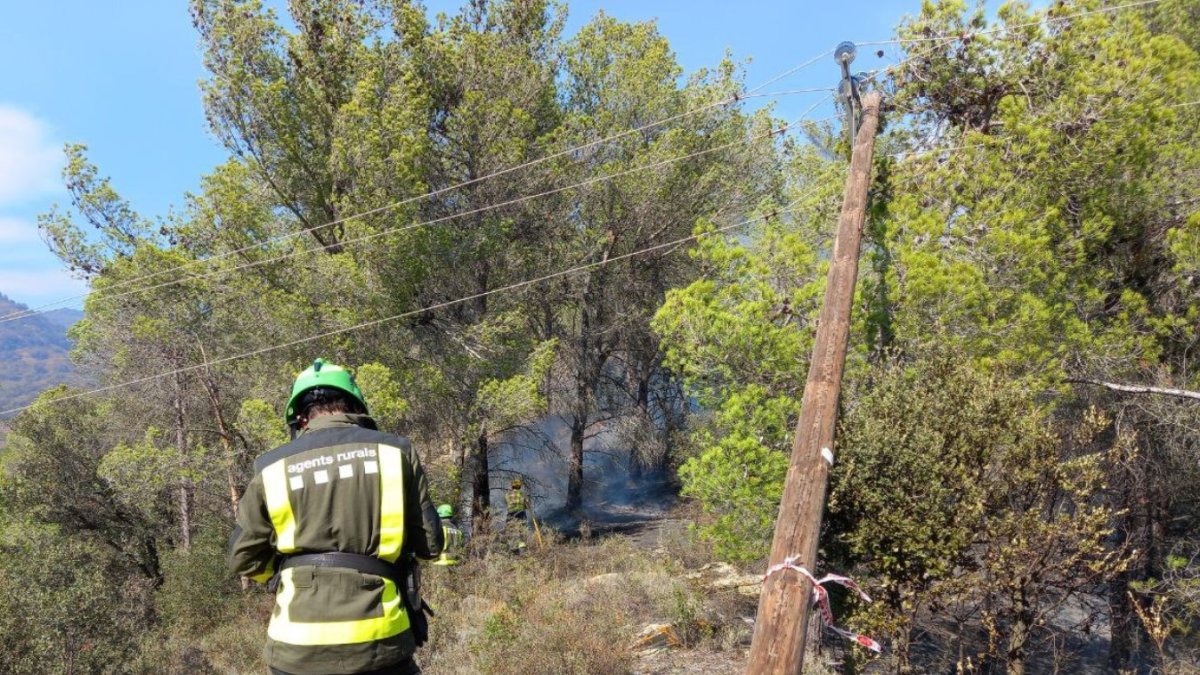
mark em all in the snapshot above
pixel 561 608
pixel 573 607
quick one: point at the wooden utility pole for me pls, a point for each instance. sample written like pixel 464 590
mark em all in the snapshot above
pixel 786 600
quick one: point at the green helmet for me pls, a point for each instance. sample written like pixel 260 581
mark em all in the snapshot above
pixel 445 511
pixel 322 374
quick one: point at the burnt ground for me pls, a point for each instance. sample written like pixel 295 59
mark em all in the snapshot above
pixel 649 513
pixel 662 519
pixel 617 504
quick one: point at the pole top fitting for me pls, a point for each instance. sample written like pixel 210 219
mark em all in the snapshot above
pixel 844 53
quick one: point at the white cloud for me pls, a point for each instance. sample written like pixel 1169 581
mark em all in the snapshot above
pixel 38 287
pixel 15 231
pixel 29 272
pixel 29 157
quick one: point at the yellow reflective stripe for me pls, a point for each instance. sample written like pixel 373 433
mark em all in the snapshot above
pixel 265 575
pixel 275 488
pixel 282 629
pixel 391 503
pixel 452 540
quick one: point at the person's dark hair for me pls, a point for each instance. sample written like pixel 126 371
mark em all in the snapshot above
pixel 328 401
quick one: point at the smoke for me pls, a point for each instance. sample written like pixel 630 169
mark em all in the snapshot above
pixel 612 494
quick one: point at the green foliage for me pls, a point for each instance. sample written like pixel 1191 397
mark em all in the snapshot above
pixel 739 480
pixel 953 490
pixel 521 397
pixel 385 398
pixel 1053 238
pixel 198 592
pixel 67 603
pixel 120 230
pixel 141 471
pixel 1185 246
pixel 736 338
pixel 1168 607
pixel 1055 242
pixel 51 475
pixel 909 480
pixel 1053 234
pixel 1033 246
pixel 261 425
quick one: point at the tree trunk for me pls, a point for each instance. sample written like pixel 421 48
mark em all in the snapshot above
pixel 579 417
pixel 901 648
pixel 481 493
pixel 231 455
pixel 1122 622
pixel 148 562
pixel 575 459
pixel 214 397
pixel 1135 529
pixel 185 494
pixel 674 410
pixel 1018 637
pixel 591 357
pixel 638 379
pixel 185 517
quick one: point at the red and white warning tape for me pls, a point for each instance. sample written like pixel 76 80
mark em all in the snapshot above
pixel 821 599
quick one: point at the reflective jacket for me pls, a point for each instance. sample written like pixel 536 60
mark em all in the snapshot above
pixel 453 539
pixel 515 501
pixel 339 486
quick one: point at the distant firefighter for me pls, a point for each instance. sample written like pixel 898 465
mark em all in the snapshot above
pixel 517 502
pixel 452 536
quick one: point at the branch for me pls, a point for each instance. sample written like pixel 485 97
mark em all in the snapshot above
pixel 1139 389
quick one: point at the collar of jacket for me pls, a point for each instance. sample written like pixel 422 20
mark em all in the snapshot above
pixel 339 421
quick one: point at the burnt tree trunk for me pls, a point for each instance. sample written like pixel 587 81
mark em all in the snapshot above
pixel 481 492
pixel 587 378
pixel 579 422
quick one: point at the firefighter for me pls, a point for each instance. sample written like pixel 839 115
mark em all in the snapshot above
pixel 451 535
pixel 516 502
pixel 516 522
pixel 334 521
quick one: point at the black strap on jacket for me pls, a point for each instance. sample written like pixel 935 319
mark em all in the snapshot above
pixel 406 577
pixel 367 564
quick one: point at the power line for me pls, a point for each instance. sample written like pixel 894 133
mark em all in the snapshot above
pixel 735 98
pixel 752 93
pixel 396 317
pixel 791 71
pixel 789 92
pixel 107 294
pixel 791 206
pixel 461 214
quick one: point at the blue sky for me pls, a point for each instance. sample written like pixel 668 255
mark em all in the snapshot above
pixel 121 77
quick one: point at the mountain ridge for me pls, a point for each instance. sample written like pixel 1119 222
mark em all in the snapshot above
pixel 35 352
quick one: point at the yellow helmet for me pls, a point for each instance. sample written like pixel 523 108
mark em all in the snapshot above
pixel 516 484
